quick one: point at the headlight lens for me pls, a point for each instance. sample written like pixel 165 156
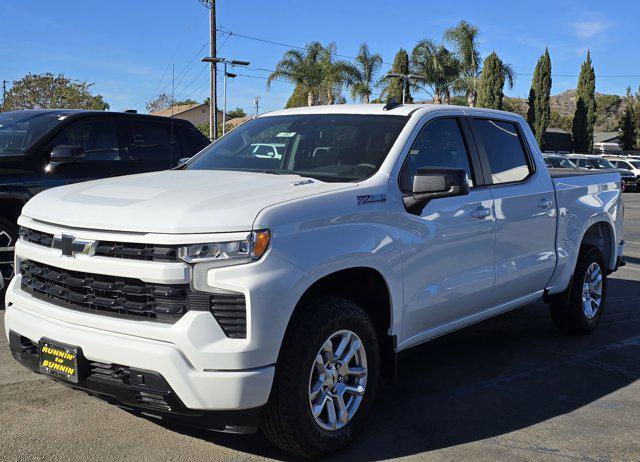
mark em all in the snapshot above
pixel 228 253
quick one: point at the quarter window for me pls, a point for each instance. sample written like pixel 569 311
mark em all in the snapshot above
pixel 439 144
pixel 504 150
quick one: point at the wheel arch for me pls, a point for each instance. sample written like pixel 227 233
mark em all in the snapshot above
pixel 367 287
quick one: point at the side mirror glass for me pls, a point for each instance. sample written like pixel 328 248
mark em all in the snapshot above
pixel 64 154
pixel 431 183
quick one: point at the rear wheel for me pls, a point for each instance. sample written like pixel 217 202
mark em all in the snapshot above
pixel 8 237
pixel 325 381
pixel 579 308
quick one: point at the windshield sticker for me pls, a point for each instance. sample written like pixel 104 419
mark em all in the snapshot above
pixel 302 182
pixel 286 135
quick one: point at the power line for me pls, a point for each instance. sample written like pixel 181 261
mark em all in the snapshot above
pixel 298 47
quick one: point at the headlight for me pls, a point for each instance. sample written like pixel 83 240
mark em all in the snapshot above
pixel 228 253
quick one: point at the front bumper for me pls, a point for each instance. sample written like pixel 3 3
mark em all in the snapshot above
pixel 142 392
pixel 197 389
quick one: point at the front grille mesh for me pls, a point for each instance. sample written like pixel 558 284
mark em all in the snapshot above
pixel 108 295
pixel 128 250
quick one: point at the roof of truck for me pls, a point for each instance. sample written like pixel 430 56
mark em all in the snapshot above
pixel 378 109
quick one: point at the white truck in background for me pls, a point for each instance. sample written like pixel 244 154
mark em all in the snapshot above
pixel 243 291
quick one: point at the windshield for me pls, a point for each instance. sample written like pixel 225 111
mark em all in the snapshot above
pixel 559 162
pixel 635 163
pixel 600 163
pixel 19 130
pixel 328 147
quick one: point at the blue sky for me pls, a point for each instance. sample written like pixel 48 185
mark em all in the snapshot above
pixel 127 47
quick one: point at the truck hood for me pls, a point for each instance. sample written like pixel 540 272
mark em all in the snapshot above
pixel 179 201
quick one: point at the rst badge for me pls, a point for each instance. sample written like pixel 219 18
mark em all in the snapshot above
pixel 70 246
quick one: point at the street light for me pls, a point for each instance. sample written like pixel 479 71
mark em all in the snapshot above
pixel 405 81
pixel 225 61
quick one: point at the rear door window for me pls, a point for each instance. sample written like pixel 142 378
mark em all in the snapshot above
pixel 151 141
pixel 504 150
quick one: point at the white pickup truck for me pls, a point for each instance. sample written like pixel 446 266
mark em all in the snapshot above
pixel 243 291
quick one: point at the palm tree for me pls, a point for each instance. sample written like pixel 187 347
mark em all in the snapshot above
pixel 464 38
pixel 360 77
pixel 440 69
pixel 304 68
pixel 335 75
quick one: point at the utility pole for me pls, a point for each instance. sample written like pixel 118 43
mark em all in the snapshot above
pixel 213 99
pixel 4 93
pixel 225 61
pixel 256 103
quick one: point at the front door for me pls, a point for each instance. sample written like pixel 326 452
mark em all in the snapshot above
pixel 448 272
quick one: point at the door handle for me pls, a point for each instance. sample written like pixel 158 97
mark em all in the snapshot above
pixel 481 213
pixel 544 203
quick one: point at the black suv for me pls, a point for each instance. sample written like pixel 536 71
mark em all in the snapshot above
pixel 41 149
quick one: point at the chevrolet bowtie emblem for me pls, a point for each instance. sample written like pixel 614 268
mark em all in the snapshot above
pixel 70 246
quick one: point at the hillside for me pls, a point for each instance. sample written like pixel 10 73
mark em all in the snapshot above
pixel 608 112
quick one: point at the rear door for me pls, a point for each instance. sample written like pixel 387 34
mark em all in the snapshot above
pixel 448 272
pixel 524 201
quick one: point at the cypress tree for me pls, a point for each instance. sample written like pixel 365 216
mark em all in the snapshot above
pixel 584 118
pixel 394 86
pixel 491 85
pixel 627 123
pixel 539 112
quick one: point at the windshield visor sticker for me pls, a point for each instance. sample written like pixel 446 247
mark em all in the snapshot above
pixel 286 135
pixel 371 199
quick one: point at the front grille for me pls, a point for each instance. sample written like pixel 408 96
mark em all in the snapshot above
pixel 108 295
pixel 230 310
pixel 127 250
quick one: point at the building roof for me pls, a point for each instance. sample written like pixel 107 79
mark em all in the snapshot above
pixel 177 109
pixel 604 137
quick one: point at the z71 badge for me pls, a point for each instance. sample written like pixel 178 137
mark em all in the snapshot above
pixel 371 199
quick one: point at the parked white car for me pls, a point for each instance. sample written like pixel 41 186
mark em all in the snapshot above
pixel 242 291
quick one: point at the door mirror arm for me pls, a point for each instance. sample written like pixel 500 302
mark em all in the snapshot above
pixel 431 183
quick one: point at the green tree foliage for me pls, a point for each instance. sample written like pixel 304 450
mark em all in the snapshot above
pixel 393 87
pixel 539 113
pixel 608 109
pixel 558 120
pixel 491 85
pixel 48 91
pixel 298 98
pixel 440 69
pixel 163 101
pixel 361 76
pixel 314 71
pixel 627 124
pixel 584 117
pixel 237 112
pixel 464 39
pixel 515 105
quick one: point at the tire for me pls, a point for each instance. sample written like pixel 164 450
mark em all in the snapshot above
pixel 8 237
pixel 287 419
pixel 568 308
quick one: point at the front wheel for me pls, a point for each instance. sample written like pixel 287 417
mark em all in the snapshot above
pixel 579 308
pixel 8 237
pixel 325 381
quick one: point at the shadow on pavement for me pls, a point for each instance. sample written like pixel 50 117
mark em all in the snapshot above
pixel 499 376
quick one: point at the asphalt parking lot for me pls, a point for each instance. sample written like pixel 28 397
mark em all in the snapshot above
pixel 511 388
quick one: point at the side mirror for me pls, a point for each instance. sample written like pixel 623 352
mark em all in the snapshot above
pixel 64 154
pixel 433 182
